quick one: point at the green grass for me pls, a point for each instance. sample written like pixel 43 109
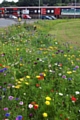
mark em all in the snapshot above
pixel 39 71
pixel 68 31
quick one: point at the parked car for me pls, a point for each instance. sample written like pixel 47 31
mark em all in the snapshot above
pixel 12 17
pixel 46 17
pixel 24 16
pixel 53 17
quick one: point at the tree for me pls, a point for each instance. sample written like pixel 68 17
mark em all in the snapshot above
pixel 7 4
pixel 36 2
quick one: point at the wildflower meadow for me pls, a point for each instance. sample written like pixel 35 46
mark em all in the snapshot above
pixel 39 75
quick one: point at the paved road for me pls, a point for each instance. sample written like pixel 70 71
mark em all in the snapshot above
pixel 8 22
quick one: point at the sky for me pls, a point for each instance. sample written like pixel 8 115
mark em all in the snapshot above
pixel 8 0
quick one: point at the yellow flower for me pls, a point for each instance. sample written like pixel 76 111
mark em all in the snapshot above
pixel 26 83
pixel 51 47
pixel 73 55
pixel 72 62
pixel 17 49
pixel 21 64
pixel 27 76
pixel 17 86
pixel 48 98
pixel 55 48
pixel 44 74
pixel 3 65
pixel 18 82
pixel 71 47
pixel 53 55
pixel 69 72
pixel 21 79
pixel 37 76
pixel 65 55
pixel 45 114
pixel 45 71
pixel 68 58
pixel 77 59
pixel 40 49
pixel 47 103
pixel 45 52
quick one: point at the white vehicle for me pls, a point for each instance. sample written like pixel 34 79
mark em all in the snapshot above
pixel 12 17
pixel 53 17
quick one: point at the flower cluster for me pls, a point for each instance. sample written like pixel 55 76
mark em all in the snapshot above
pixel 39 76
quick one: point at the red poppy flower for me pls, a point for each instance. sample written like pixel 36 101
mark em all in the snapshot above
pixel 36 106
pixel 37 85
pixel 41 78
pixel 73 99
pixel 1 65
pixel 60 64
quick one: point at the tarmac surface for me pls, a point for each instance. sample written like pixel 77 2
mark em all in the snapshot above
pixel 8 22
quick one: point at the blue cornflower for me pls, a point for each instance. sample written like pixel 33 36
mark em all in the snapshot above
pixel 4 69
pixel 19 117
pixel 69 78
pixel 4 89
pixel 7 114
pixel 74 68
pixel 20 58
pixel 16 98
pixel 1 70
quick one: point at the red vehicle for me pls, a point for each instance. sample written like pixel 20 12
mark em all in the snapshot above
pixel 24 16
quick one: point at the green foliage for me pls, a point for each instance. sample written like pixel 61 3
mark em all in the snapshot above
pixel 36 2
pixel 39 76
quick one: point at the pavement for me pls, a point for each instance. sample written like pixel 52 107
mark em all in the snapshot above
pixel 8 22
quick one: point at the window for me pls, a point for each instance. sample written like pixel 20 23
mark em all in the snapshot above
pixel 35 11
pixel 38 11
pixel 52 11
pixel 48 11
